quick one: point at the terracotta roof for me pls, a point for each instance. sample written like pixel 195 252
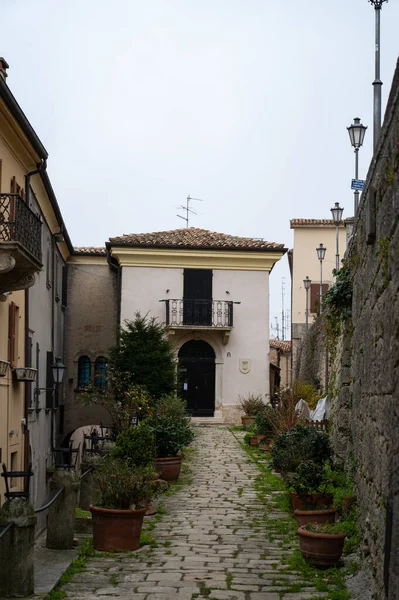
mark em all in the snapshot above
pixel 194 238
pixel 284 345
pixel 312 223
pixel 90 250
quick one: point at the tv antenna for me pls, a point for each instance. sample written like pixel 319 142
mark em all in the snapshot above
pixel 187 209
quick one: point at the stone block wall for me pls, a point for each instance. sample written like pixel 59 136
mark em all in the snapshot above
pixel 365 432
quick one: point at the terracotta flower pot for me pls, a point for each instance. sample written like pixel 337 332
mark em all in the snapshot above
pixel 246 419
pixel 321 549
pixel 303 517
pixel 168 468
pixel 314 499
pixel 116 529
pixel 255 440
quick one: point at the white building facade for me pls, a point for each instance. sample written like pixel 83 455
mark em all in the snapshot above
pixel 212 292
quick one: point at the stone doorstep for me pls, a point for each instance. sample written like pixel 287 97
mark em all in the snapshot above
pixel 49 565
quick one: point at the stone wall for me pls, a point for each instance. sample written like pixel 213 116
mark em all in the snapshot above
pixel 310 364
pixel 366 409
pixel 91 326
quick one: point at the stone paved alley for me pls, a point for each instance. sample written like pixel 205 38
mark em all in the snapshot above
pixel 209 544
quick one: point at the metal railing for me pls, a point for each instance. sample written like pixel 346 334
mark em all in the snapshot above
pixel 18 223
pixel 199 313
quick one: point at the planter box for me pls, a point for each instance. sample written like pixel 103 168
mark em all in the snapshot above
pixel 321 549
pixel 303 517
pixel 25 374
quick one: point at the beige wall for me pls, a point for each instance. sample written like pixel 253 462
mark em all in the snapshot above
pixel 143 287
pixel 306 263
pixel 11 393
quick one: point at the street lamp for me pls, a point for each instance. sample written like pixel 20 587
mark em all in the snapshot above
pixel 377 83
pixel 306 285
pixel 337 218
pixel 321 252
pixel 356 131
pixel 58 369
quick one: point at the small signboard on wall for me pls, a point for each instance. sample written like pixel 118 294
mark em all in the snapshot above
pixel 245 365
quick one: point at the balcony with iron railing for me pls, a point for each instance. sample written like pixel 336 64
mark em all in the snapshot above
pixel 215 315
pixel 20 243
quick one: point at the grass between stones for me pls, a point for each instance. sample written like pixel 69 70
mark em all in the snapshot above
pixel 271 493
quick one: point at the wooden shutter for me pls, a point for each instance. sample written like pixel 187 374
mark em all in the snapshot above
pixel 315 296
pixel 49 380
pixel 197 284
pixel 12 333
pixel 64 292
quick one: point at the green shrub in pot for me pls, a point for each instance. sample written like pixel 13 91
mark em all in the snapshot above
pixel 136 444
pixel 171 426
pixel 265 421
pixel 251 404
pixel 298 445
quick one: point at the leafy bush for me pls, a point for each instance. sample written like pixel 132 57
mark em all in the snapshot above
pixel 119 486
pixel 252 404
pixel 308 478
pixel 145 354
pixel 265 421
pixel 300 444
pixel 170 425
pixel 136 444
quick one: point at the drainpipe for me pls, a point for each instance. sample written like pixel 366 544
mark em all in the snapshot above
pixel 39 167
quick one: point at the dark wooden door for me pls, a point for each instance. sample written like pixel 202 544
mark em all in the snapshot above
pixel 197 377
pixel 197 297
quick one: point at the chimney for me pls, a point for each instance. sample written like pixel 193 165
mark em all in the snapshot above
pixel 3 68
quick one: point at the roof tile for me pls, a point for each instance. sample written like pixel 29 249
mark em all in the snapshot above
pixel 284 345
pixel 90 250
pixel 312 223
pixel 194 238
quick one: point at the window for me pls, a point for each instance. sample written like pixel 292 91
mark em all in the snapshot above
pixel 48 263
pixel 64 292
pixel 83 371
pixel 315 296
pixel 13 322
pixel 100 373
pixel 49 380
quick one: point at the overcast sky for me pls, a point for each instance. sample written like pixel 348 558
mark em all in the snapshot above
pixel 243 103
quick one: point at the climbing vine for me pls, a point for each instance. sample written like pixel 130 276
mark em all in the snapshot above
pixel 338 301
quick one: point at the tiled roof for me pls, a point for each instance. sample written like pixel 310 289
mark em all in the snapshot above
pixel 284 345
pixel 194 238
pixel 90 250
pixel 312 223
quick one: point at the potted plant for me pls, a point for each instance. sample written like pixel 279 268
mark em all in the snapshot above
pixel 251 405
pixel 265 424
pixel 171 427
pixel 122 493
pixel 311 503
pixel 322 545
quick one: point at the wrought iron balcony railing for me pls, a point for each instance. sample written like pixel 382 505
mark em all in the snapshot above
pixel 18 223
pixel 199 313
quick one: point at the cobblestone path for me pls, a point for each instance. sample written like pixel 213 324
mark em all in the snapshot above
pixel 211 542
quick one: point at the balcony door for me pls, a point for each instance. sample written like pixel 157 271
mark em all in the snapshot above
pixel 197 297
pixel 197 377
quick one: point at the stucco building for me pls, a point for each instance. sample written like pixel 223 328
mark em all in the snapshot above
pixel 34 248
pixel 308 234
pixel 210 289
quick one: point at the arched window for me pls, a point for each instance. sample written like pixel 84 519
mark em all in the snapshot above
pixel 100 373
pixel 83 371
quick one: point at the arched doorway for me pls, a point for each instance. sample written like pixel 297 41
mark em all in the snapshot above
pixel 197 377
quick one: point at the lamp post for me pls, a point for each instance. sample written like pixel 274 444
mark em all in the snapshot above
pixel 356 131
pixel 337 212
pixel 306 284
pixel 377 83
pixel 321 252
pixel 58 369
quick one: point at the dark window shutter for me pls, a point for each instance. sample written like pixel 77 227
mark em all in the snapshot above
pixel 197 297
pixel 49 380
pixel 12 333
pixel 64 300
pixel 315 296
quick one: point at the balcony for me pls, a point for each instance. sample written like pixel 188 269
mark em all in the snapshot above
pixel 20 244
pixel 211 315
